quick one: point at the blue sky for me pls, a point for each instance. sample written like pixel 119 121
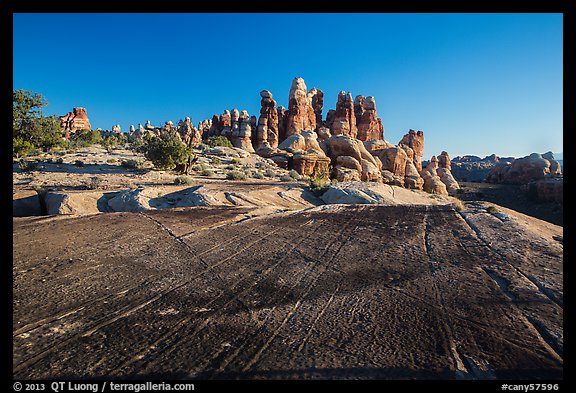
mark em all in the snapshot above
pixel 474 83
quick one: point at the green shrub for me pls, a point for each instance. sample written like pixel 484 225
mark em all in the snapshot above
pixel 111 161
pixel 166 152
pixel 79 163
pixel 270 173
pixel 110 142
pixel 236 175
pixel 235 161
pixel 207 172
pixel 215 161
pixel 183 180
pixel 230 167
pixel 29 124
pixel 219 141
pixel 85 138
pixel 202 147
pixel 20 147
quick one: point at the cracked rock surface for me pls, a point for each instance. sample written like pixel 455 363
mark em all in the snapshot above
pixel 329 292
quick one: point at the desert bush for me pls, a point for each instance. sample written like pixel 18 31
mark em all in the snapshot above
pixel 236 175
pixel 458 205
pixel 219 141
pixel 202 147
pixel 257 175
pixel 166 152
pixel 270 173
pixel 79 163
pixel 294 175
pixel 492 209
pixel 183 180
pixel 235 160
pixel 130 164
pixel 111 161
pixel 207 172
pixel 59 160
pixel 215 161
pixel 319 183
pixel 198 167
pixel 230 167
pixel 286 178
pixel 93 183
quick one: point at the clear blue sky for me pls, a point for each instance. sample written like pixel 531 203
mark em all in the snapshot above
pixel 474 83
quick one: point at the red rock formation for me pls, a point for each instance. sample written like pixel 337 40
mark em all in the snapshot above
pixel 267 129
pixel 444 160
pixel 281 123
pixel 415 140
pixel 367 121
pixel 300 116
pixel 75 120
pixel 317 104
pixel 344 122
pixel 189 134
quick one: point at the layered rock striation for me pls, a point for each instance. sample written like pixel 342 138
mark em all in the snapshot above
pixel 75 120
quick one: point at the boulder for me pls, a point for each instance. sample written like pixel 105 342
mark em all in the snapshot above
pixel 78 202
pixel 310 164
pixel 242 137
pixel 374 145
pixel 394 160
pixel 349 162
pixel 432 182
pixel 344 174
pixel 446 177
pixel 355 192
pixel 26 203
pixel 412 178
pixel 370 172
pixel 343 145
